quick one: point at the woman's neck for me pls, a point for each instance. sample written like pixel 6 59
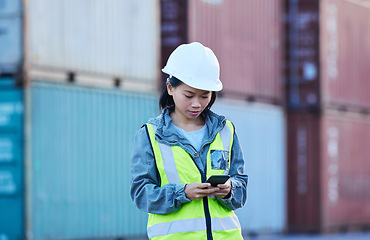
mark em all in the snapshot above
pixel 187 124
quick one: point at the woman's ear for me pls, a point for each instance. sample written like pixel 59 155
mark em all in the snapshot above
pixel 169 88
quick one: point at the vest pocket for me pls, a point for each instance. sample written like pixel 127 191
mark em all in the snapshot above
pixel 219 159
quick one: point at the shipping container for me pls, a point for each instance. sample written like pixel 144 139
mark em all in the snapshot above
pixel 10 44
pixel 117 41
pixel 327 54
pixel 345 171
pixel 261 132
pixel 78 161
pixel 10 7
pixel 345 53
pixel 174 28
pixel 11 162
pixel 246 37
pixel 328 171
pixel 303 171
pixel 302 54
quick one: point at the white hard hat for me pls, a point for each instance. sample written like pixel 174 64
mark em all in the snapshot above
pixel 196 66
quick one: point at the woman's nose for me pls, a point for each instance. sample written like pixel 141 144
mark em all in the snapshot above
pixel 196 103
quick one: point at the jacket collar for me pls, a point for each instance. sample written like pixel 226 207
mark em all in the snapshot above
pixel 167 134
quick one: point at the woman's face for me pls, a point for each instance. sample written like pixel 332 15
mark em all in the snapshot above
pixel 189 102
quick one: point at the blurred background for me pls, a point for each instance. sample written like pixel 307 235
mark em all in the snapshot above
pixel 78 78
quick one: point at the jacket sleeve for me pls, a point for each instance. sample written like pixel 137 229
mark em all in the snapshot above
pixel 146 192
pixel 239 180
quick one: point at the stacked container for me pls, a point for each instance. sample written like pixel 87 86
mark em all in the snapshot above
pixel 92 70
pixel 79 165
pixel 246 38
pixel 10 36
pixel 261 133
pixel 328 121
pixel 11 122
pixel 96 43
pixel 11 161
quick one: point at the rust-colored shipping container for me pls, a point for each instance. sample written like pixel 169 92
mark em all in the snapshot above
pixel 345 173
pixel 345 53
pixel 303 172
pixel 327 54
pixel 246 38
pixel 328 171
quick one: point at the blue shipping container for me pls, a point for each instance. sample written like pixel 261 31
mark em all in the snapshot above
pixel 261 132
pixel 10 43
pixel 10 7
pixel 11 164
pixel 81 141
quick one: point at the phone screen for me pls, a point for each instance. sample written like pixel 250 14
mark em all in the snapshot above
pixel 217 179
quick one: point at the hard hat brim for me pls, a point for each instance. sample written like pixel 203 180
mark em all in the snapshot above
pixel 195 83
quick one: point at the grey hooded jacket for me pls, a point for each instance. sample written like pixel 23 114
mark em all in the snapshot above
pixel 146 192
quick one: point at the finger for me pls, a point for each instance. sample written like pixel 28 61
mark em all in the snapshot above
pixel 211 190
pixel 223 186
pixel 204 185
pixel 221 195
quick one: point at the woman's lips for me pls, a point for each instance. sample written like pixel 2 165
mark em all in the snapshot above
pixel 194 113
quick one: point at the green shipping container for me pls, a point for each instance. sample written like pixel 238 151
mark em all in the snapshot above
pixel 79 161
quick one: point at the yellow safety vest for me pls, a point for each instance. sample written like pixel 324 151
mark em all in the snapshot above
pixel 200 219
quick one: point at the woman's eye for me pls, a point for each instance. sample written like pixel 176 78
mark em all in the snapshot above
pixel 188 96
pixel 205 97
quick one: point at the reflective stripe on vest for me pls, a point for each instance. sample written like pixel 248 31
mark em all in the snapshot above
pixel 225 134
pixel 192 225
pixel 169 163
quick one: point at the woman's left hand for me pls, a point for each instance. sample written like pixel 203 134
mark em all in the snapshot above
pixel 224 189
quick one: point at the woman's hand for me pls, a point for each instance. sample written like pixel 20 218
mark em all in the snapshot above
pixel 196 191
pixel 224 189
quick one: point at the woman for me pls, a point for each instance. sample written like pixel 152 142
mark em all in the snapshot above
pixel 175 153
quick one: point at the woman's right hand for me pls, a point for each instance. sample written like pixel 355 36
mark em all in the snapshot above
pixel 196 191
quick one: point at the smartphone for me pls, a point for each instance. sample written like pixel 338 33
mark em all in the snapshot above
pixel 217 179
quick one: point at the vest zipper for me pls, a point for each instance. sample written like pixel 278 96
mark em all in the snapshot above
pixel 206 210
pixel 205 202
pixel 208 219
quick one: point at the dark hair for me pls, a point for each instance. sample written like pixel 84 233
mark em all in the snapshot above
pixel 166 100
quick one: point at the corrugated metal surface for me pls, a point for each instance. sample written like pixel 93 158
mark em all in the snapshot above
pixel 81 149
pixel 303 172
pixel 328 171
pixel 302 54
pixel 118 39
pixel 261 131
pixel 10 43
pixel 345 53
pixel 11 164
pixel 10 7
pixel 345 170
pixel 174 28
pixel 246 38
